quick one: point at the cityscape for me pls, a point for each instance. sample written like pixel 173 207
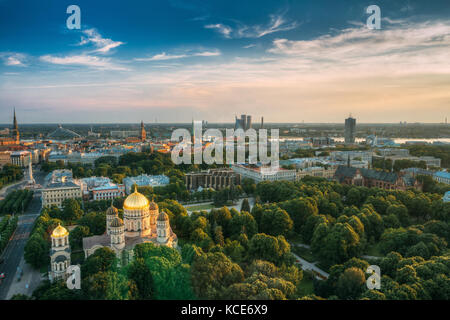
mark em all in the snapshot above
pixel 93 205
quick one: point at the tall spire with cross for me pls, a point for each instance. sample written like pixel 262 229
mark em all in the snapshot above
pixel 15 130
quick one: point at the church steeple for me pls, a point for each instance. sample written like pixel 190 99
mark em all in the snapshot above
pixel 15 130
pixel 143 134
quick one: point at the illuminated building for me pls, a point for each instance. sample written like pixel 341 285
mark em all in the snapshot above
pixel 142 222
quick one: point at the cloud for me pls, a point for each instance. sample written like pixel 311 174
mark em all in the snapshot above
pixel 103 45
pixel 402 48
pixel 221 28
pixel 277 23
pixel 82 60
pixel 401 70
pixel 164 56
pixel 13 59
pixel 207 53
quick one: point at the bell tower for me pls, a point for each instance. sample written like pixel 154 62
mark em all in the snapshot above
pixel 143 133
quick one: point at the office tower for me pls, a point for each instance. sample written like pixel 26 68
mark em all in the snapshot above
pixel 243 122
pixel 350 129
pixel 249 122
pixel 237 123
pixel 262 122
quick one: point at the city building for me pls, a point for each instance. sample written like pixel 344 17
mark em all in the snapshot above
pixel 60 186
pixel 244 123
pixel 442 177
pixel 417 171
pixel 259 174
pixel 393 152
pixel 319 141
pixel 446 197
pixel 429 161
pixel 5 158
pixel 21 158
pixel 365 156
pixel 374 178
pixel 123 134
pixel 142 222
pixel 214 178
pixel 350 130
pixel 101 188
pixel 59 253
pixel 321 172
pixel 145 180
pixel 288 147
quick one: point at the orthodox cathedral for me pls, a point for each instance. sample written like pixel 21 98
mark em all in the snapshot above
pixel 142 222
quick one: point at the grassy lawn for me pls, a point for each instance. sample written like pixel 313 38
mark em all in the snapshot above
pixel 200 207
pixel 303 253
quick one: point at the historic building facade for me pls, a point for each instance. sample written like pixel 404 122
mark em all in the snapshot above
pixel 374 178
pixel 213 178
pixel 142 222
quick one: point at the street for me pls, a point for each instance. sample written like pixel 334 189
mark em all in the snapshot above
pixel 13 253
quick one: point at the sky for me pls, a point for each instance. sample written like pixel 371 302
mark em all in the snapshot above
pixel 177 60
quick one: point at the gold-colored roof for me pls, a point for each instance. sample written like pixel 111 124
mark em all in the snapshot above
pixel 59 232
pixel 163 216
pixel 135 201
pixel 112 211
pixel 153 205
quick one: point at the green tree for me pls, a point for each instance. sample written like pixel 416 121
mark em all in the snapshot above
pixel 245 206
pixel 351 283
pixel 212 273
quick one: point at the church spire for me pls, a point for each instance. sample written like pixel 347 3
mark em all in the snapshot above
pixel 15 130
pixel 15 126
pixel 143 133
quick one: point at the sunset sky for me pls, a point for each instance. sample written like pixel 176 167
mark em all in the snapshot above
pixel 174 60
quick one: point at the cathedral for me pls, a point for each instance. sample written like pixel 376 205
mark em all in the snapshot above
pixel 142 222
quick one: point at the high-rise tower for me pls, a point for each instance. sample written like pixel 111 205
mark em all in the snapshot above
pixel 249 122
pixel 350 129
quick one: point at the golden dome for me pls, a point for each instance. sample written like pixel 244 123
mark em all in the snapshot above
pixel 163 216
pixel 153 205
pixel 117 222
pixel 59 232
pixel 112 211
pixel 135 201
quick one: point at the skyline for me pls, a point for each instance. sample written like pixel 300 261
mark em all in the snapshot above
pixel 177 60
